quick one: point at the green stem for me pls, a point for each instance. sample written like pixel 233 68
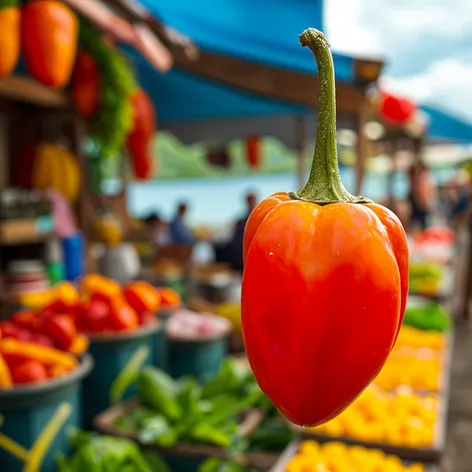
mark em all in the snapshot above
pixel 324 184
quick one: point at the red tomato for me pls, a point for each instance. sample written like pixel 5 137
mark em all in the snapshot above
pixel 42 340
pixel 24 335
pixel 25 319
pixel 9 330
pixel 95 317
pixel 146 318
pixel 60 328
pixel 123 317
pixel 143 297
pixel 29 371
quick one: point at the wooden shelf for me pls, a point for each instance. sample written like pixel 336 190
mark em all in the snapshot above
pixel 27 90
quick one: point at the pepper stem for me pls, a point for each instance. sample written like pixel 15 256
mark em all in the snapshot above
pixel 324 184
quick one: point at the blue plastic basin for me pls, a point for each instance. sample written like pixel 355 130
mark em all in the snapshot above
pixel 27 410
pixel 111 352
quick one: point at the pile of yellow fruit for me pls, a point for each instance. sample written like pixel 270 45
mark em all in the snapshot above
pixel 402 419
pixel 418 369
pixel 410 337
pixel 232 312
pixel 338 457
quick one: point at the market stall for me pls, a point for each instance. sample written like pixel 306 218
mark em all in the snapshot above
pixel 127 358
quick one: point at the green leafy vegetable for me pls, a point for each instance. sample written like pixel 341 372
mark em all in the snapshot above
pixel 128 375
pixel 95 453
pixel 428 317
pixel 159 391
pixel 114 119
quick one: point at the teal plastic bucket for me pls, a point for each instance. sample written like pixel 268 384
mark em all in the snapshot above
pixel 111 352
pixel 27 410
pixel 201 358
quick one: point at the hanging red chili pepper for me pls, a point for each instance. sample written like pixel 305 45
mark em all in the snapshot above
pixel 86 85
pixel 10 21
pixel 394 109
pixel 253 151
pixel 49 39
pixel 325 281
pixel 140 137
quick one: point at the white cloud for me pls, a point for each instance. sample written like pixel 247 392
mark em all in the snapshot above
pixel 448 82
pixel 348 29
pixel 423 42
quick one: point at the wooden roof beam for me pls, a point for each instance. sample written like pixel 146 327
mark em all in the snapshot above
pixel 296 88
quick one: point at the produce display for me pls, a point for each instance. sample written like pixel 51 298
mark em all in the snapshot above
pixel 418 369
pixel 107 91
pixel 139 139
pixel 304 249
pixel 54 326
pixel 425 277
pixel 24 362
pixel 428 316
pixel 232 312
pixel 93 452
pixel 410 337
pixel 336 456
pixel 10 24
pixel 401 419
pixel 49 40
pixel 434 244
pixel 100 306
pixel 185 324
pixel 172 411
pixel 56 168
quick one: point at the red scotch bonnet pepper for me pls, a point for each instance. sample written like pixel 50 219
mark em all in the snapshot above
pixel 325 281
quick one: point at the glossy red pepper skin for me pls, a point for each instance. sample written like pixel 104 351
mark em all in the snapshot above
pixel 323 298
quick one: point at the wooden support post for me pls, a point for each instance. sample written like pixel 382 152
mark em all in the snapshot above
pixel 77 135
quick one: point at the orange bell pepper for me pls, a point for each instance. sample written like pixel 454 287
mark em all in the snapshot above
pixel 123 316
pixel 49 39
pixel 5 374
pixel 325 281
pixel 143 297
pixel 169 297
pixel 57 370
pixel 14 350
pixel 79 345
pixel 94 284
pixel 10 22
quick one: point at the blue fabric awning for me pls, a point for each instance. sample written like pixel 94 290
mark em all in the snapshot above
pixel 262 32
pixel 446 126
pixel 180 96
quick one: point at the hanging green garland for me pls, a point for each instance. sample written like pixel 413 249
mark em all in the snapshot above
pixel 114 118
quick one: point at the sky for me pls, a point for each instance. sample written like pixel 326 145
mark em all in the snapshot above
pixel 426 43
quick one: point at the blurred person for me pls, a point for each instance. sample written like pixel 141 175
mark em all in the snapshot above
pixel 458 195
pixel 158 229
pixel 235 244
pixel 179 232
pixel 421 194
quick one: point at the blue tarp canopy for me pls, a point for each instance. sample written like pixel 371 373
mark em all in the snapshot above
pixel 262 32
pixel 446 126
